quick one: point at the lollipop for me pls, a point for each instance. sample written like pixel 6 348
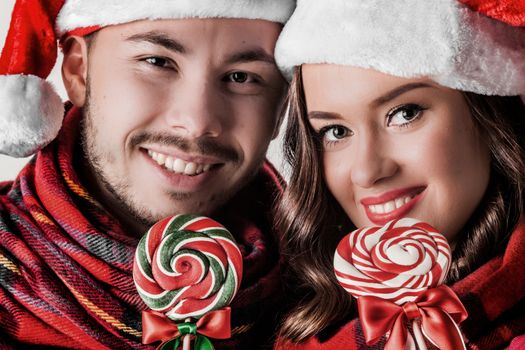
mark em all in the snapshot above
pixel 187 267
pixel 402 263
pixel 395 262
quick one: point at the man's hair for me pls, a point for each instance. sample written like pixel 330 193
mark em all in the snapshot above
pixel 312 222
pixel 90 39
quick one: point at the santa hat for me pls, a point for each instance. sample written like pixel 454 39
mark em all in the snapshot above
pixel 445 40
pixel 31 111
pixel 508 11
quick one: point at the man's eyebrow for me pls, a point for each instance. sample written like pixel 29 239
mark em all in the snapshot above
pixel 252 55
pixel 389 96
pixel 160 39
pixel 324 115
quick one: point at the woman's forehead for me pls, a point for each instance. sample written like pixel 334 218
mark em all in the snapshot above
pixel 327 84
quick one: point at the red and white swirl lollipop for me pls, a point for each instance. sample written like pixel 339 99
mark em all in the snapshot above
pixel 186 266
pixel 395 262
pixel 395 272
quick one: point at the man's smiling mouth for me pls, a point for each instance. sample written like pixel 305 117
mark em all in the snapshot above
pixel 178 165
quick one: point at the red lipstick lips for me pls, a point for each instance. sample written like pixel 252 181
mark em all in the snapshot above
pixel 391 205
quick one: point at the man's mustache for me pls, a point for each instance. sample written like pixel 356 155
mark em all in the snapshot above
pixel 204 146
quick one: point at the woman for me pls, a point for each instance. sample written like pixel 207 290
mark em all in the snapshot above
pixel 395 113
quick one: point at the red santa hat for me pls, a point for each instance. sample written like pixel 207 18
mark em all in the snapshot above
pixel 448 41
pixel 508 11
pixel 31 111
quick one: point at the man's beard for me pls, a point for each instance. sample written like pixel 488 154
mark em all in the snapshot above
pixel 116 184
pixel 96 158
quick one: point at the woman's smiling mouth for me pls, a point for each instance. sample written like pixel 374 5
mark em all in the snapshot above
pixel 391 205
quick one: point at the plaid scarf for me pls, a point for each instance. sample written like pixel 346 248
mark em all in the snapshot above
pixel 494 296
pixel 66 264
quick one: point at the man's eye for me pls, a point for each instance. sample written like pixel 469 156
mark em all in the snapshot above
pixel 240 77
pixel 159 62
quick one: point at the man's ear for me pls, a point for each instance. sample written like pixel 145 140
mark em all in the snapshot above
pixel 74 69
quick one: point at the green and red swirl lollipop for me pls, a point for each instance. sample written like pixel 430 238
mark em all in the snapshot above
pixel 187 266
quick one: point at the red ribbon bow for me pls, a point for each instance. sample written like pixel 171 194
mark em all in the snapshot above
pixel 156 326
pixel 440 311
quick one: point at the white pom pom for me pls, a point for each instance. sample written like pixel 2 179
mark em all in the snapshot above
pixel 31 114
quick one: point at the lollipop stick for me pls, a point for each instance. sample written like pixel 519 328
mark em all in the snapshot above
pixel 186 341
pixel 420 340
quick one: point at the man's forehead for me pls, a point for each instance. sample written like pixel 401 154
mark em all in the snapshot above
pixel 253 29
pixel 232 40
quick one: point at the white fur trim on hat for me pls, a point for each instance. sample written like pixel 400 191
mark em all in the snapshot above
pixel 85 13
pixel 440 39
pixel 31 111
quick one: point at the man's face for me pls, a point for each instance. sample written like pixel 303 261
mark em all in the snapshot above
pixel 179 113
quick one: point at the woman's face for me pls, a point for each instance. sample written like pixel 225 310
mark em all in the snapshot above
pixel 396 147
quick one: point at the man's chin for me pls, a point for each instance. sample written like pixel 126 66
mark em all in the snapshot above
pixel 182 204
pixel 205 209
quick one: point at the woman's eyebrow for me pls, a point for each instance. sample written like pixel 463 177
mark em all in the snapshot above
pixel 398 91
pixel 375 103
pixel 324 115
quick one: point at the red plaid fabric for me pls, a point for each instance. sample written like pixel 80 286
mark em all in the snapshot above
pixel 66 264
pixel 494 296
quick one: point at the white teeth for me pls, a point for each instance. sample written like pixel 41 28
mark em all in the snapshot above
pixel 178 165
pixel 199 169
pixel 389 206
pixel 169 163
pixel 190 169
pixel 161 159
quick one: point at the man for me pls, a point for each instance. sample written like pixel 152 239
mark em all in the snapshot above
pixel 173 105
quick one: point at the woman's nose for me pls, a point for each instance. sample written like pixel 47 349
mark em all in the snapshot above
pixel 371 161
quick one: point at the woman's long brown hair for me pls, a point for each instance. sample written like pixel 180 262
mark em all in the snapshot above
pixel 312 222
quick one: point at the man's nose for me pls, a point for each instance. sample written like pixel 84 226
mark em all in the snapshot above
pixel 371 161
pixel 196 109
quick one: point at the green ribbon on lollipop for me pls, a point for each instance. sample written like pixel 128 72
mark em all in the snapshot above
pixel 188 328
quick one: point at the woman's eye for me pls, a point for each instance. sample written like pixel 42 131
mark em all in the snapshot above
pixel 404 115
pixel 334 133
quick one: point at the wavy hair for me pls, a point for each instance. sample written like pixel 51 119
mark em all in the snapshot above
pixel 312 222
